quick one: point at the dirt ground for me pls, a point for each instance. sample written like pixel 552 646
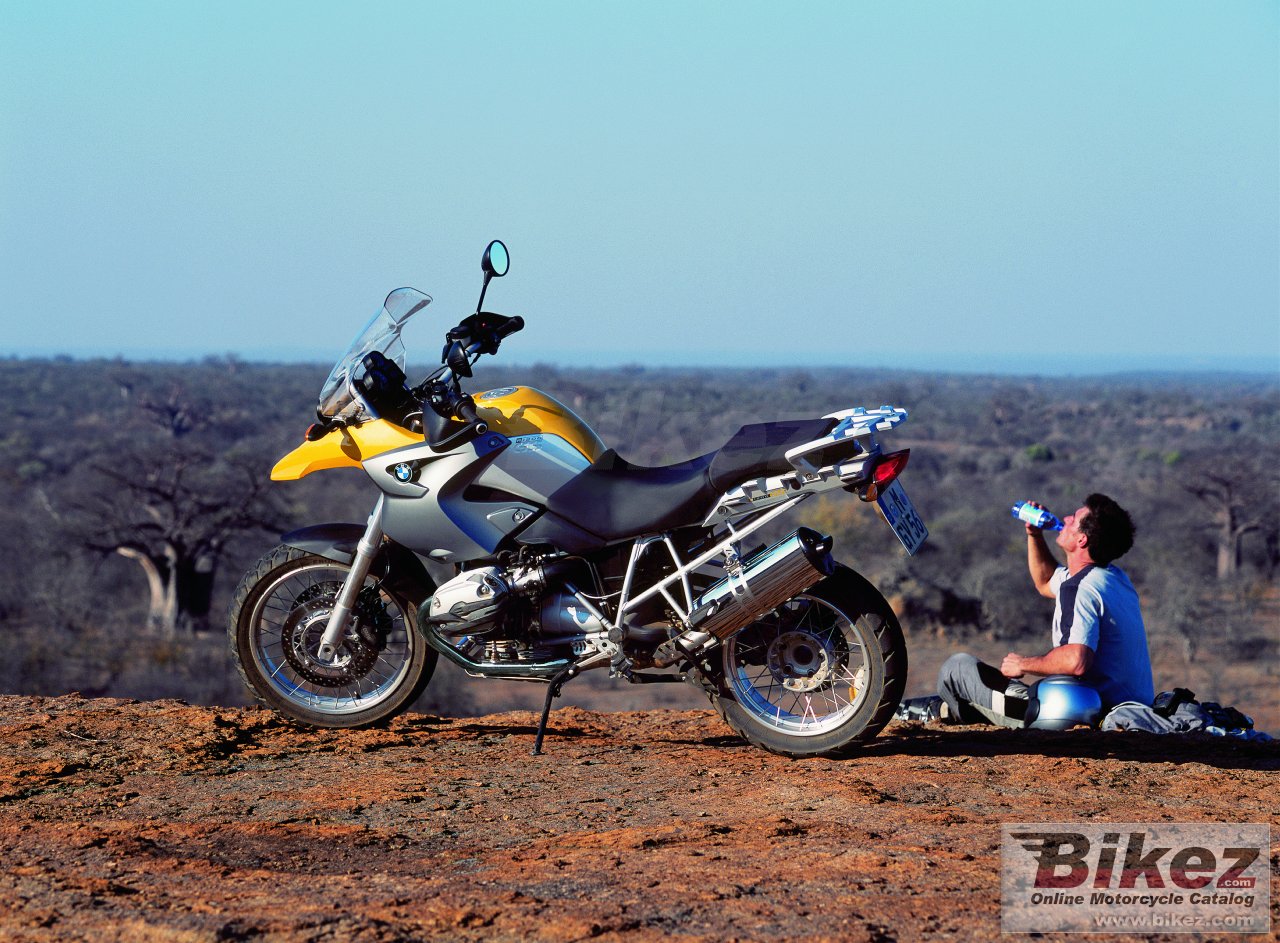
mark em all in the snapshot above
pixel 160 821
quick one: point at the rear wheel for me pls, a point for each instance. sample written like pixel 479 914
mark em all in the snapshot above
pixel 278 615
pixel 818 675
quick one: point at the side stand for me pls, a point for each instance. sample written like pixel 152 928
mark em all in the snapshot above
pixel 553 692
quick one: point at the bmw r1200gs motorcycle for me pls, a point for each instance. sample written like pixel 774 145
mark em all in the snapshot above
pixel 566 557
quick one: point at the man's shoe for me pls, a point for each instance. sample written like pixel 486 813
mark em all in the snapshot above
pixel 923 710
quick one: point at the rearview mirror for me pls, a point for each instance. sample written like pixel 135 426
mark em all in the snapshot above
pixel 496 260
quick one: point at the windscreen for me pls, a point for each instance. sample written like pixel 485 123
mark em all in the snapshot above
pixel 382 333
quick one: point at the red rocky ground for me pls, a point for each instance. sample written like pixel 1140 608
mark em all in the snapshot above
pixel 159 821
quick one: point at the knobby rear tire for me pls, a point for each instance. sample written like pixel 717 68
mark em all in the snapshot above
pixel 272 574
pixel 748 713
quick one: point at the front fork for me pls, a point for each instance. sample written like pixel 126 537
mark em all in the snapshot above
pixel 340 618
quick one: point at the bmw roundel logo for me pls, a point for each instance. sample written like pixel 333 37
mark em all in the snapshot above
pixel 403 472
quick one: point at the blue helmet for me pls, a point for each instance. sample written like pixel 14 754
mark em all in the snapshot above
pixel 1060 702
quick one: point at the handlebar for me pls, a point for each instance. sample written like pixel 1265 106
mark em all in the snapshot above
pixel 443 403
pixel 485 328
pixel 480 333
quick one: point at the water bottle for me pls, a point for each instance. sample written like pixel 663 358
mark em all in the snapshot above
pixel 1036 517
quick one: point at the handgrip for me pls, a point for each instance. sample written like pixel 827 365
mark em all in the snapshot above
pixel 512 325
pixel 466 411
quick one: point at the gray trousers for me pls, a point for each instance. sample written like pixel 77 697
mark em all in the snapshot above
pixel 977 693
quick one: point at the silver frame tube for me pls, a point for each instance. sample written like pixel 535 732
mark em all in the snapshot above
pixel 626 603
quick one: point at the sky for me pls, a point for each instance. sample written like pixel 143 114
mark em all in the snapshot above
pixel 1050 187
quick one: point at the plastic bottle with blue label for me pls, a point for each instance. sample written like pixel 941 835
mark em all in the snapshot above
pixel 1028 513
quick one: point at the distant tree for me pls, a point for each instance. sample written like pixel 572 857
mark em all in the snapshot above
pixel 171 501
pixel 173 513
pixel 1242 498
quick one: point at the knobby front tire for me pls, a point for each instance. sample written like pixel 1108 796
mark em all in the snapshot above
pixel 277 616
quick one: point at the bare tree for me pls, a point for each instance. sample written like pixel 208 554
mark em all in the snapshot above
pixel 170 497
pixel 1242 499
pixel 173 512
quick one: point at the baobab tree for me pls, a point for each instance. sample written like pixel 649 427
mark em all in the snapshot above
pixel 1242 496
pixel 173 514
pixel 170 500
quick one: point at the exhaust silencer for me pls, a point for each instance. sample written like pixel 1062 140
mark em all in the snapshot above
pixel 764 582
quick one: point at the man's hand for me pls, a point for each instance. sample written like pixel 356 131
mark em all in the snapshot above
pixel 1031 530
pixel 1070 659
pixel 1012 667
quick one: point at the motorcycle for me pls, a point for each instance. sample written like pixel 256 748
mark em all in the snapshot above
pixel 563 557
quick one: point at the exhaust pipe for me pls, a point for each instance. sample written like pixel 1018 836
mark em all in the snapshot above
pixel 764 582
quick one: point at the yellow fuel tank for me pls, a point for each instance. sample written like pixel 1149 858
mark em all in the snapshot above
pixel 522 410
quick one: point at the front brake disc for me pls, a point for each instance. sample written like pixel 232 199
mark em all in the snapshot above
pixel 357 652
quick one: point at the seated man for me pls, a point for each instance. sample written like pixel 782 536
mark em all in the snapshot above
pixel 1098 635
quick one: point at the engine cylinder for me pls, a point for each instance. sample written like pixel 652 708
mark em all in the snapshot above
pixel 471 603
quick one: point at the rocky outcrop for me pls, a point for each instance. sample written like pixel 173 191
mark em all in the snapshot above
pixel 160 821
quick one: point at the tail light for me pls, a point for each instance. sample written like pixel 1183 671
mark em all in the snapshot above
pixel 890 467
pixel 882 476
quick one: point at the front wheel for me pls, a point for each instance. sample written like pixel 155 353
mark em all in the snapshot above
pixel 278 614
pixel 821 673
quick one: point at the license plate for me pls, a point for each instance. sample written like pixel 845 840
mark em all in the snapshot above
pixel 900 514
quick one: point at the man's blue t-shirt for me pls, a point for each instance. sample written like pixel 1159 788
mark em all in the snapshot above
pixel 1098 607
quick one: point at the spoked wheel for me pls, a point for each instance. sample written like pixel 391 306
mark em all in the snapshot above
pixel 278 616
pixel 816 676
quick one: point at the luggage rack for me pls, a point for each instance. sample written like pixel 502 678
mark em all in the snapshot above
pixel 835 460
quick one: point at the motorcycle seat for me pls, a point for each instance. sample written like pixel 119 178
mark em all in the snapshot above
pixel 616 500
pixel 760 449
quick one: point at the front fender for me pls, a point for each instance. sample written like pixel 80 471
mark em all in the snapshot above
pixel 401 570
pixel 332 541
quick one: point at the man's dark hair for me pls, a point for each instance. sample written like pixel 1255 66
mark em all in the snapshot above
pixel 1109 528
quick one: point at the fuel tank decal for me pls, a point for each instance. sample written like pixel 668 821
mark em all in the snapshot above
pixel 552 448
pixel 519 411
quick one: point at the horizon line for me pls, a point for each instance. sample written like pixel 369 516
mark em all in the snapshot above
pixel 999 365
